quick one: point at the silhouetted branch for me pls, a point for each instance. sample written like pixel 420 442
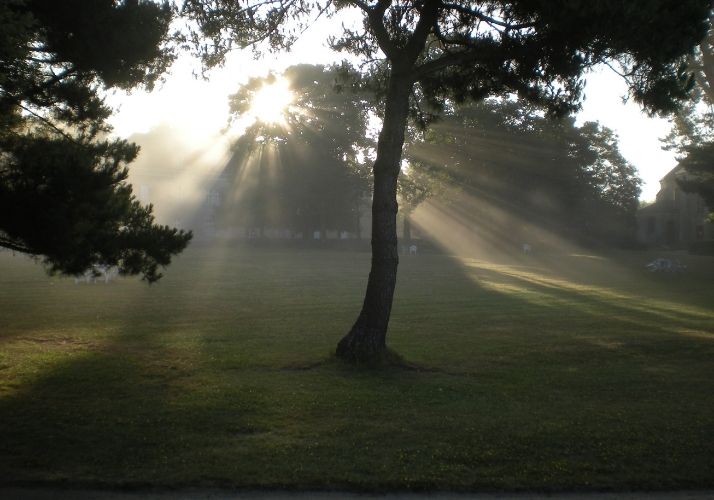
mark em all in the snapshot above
pixel 490 20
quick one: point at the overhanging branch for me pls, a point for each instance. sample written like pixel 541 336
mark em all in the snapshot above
pixel 483 17
pixel 13 245
pixel 428 16
pixel 443 62
pixel 375 15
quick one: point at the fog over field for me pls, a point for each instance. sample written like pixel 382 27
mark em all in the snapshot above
pixel 356 246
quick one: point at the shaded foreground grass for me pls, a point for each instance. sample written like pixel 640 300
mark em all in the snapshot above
pixel 567 372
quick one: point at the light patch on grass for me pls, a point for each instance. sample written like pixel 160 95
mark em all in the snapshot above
pixel 584 256
pixel 606 343
pixel 504 287
pixel 50 341
pixel 668 310
pixel 521 376
pixel 697 334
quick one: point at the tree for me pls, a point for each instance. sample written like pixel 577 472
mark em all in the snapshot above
pixel 421 181
pixel 63 189
pixel 692 135
pixel 314 155
pixel 609 205
pixel 550 173
pixel 440 51
pixel 699 173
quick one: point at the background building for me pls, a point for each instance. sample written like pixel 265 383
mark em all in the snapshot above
pixel 676 219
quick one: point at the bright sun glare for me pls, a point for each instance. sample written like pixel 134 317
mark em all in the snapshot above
pixel 272 101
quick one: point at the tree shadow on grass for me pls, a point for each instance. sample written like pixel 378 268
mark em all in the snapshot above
pixel 184 394
pixel 120 415
pixel 128 407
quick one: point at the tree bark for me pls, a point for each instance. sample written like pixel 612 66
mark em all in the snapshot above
pixel 407 229
pixel 366 341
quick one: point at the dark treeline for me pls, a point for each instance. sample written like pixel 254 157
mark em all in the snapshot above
pixel 548 173
pixel 311 172
pixel 306 174
pixel 297 184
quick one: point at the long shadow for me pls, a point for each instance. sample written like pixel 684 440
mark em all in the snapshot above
pixel 126 384
pixel 195 383
pixel 127 410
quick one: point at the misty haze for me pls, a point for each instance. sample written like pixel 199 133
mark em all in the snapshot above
pixel 415 253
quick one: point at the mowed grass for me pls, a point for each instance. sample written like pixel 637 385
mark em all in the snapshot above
pixel 562 372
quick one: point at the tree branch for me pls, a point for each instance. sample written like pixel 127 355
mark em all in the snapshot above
pixel 320 13
pixel 428 15
pixel 47 122
pixel 708 66
pixel 375 15
pixel 56 78
pixel 12 245
pixel 361 5
pixel 446 40
pixel 490 20
pixel 449 59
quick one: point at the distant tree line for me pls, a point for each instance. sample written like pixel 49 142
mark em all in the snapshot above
pixel 296 183
pixel 310 172
pixel 307 174
pixel 551 173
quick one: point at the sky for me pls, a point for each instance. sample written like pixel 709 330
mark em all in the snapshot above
pixel 639 134
pixel 199 108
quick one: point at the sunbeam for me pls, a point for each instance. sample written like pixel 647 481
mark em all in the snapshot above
pixel 271 103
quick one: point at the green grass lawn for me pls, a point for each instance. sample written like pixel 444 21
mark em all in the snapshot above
pixel 561 372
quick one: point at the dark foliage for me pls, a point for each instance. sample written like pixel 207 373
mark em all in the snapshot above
pixel 63 190
pixel 699 172
pixel 551 173
pixel 693 133
pixel 305 174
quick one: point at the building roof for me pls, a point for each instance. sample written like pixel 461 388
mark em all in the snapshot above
pixel 673 174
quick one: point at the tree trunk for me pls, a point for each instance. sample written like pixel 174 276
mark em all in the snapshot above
pixel 407 229
pixel 366 342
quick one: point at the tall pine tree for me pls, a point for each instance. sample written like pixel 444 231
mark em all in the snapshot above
pixel 63 190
